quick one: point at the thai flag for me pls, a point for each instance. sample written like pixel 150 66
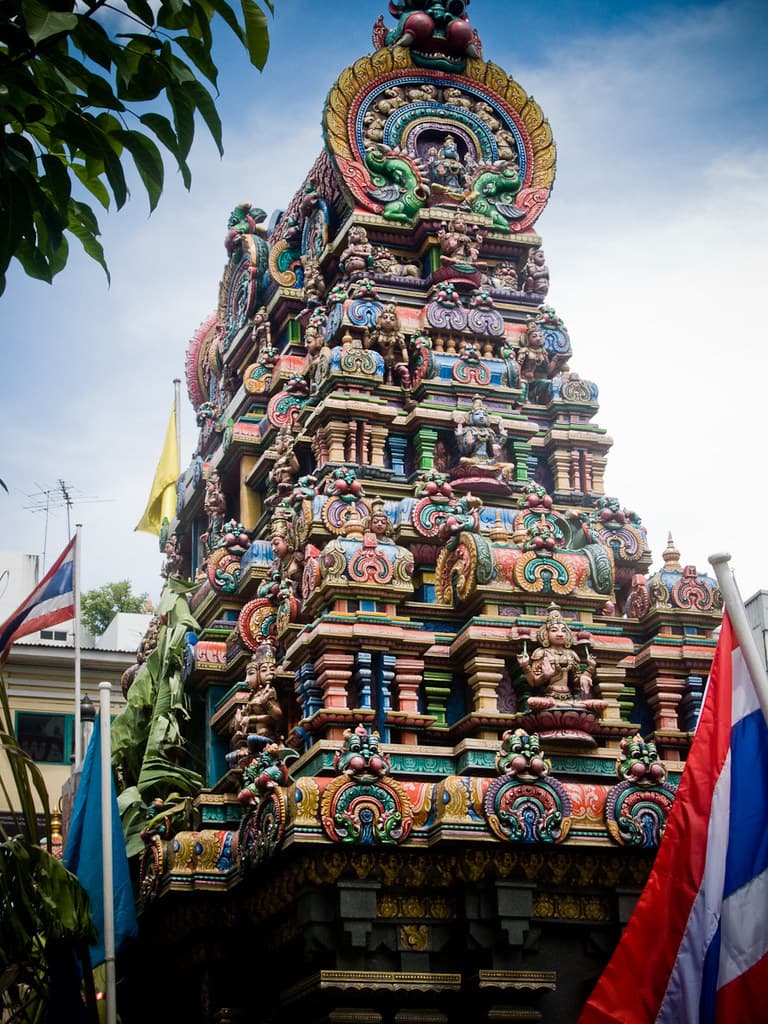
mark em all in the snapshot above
pixel 51 602
pixel 696 947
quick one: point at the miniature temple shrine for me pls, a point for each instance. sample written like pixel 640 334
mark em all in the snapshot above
pixel 434 699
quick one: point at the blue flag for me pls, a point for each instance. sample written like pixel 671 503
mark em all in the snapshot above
pixel 82 854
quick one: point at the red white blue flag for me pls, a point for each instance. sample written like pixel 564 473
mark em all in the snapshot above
pixel 51 602
pixel 695 950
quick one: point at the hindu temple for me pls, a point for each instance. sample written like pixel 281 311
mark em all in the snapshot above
pixel 430 702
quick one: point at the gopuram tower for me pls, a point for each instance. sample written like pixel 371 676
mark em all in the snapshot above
pixel 436 701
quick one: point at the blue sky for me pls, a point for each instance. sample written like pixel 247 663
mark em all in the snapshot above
pixel 655 236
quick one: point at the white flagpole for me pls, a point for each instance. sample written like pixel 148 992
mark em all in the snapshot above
pixel 738 616
pixel 105 692
pixel 177 412
pixel 78 726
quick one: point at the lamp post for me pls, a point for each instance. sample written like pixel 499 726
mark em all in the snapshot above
pixel 87 719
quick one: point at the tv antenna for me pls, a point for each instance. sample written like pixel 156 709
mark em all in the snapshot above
pixel 61 495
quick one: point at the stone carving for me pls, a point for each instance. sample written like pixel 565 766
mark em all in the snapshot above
pixel 388 339
pixel 554 671
pixel 536 273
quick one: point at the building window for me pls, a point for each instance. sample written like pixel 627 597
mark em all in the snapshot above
pixel 53 634
pixel 46 738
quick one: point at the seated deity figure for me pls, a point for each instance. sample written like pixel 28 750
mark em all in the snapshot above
pixel 480 437
pixel 444 164
pixel 554 671
pixel 262 715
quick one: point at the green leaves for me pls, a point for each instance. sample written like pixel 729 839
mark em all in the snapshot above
pixel 66 125
pixel 44 907
pixel 41 22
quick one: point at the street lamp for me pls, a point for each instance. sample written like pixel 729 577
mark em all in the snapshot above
pixel 87 719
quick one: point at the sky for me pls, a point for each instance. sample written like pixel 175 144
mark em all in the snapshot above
pixel 656 236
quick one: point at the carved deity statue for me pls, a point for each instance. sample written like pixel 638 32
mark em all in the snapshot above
pixel 215 507
pixel 532 356
pixel 480 437
pixel 536 273
pixel 357 258
pixel 555 672
pixel 457 246
pixel 378 522
pixel 285 468
pixel 388 339
pixel 262 715
pixel 444 164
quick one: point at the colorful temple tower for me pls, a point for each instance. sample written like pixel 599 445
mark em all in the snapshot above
pixel 437 705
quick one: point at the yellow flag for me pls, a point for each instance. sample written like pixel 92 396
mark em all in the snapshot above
pixel 162 496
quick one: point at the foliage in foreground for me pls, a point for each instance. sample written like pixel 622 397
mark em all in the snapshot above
pixel 84 85
pixel 44 912
pixel 148 746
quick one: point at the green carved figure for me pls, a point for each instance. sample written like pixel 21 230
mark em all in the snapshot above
pixel 493 194
pixel 397 185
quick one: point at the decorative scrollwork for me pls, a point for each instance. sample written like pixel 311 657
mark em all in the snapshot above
pixel 256 622
pixel 543 575
pixel 224 571
pixel 528 812
pixel 262 830
pixel 637 815
pixel 366 813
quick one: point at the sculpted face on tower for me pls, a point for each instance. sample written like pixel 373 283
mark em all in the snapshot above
pixel 261 668
pixel 436 31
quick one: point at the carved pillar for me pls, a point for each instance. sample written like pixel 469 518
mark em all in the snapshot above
pixel 483 674
pixel 521 453
pixel 350 446
pixel 574 474
pixel 398 446
pixel 365 450
pixel 386 678
pixel 437 690
pixel 336 434
pixel 308 690
pixel 598 474
pixel 426 439
pixel 610 683
pixel 250 501
pixel 334 671
pixel 320 448
pixel 363 678
pixel 409 673
pixel 664 696
pixel 586 471
pixel 560 464
pixel 378 436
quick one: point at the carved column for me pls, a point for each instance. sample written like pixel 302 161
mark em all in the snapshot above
pixel 610 683
pixel 483 674
pixel 437 690
pixel 560 464
pixel 521 452
pixel 409 673
pixel 398 446
pixel 336 435
pixel 598 474
pixel 378 435
pixel 426 439
pixel 333 670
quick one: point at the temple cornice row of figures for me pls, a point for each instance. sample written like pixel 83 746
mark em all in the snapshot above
pixel 362 805
pixel 327 538
pixel 312 273
pixel 353 331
